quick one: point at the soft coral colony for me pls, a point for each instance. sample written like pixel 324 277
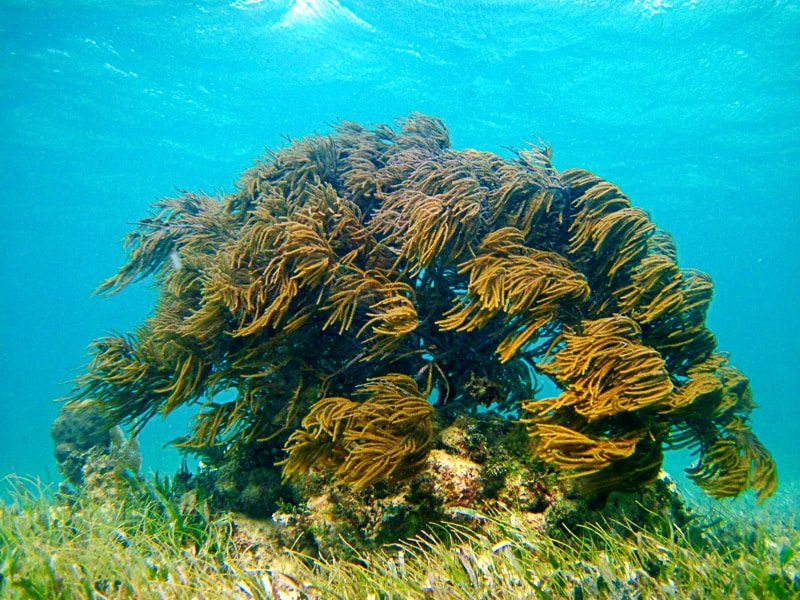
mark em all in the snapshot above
pixel 362 288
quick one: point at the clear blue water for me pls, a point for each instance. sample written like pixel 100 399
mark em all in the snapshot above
pixel 692 107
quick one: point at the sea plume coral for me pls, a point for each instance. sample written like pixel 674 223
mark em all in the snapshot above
pixel 360 287
pixel 386 436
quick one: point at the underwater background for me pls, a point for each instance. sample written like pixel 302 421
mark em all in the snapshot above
pixel 691 107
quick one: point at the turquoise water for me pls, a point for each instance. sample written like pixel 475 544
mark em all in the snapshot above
pixel 692 108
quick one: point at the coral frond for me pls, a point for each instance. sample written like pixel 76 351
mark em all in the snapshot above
pixel 385 437
pixel 526 288
pixel 605 371
pixel 735 462
pixel 578 454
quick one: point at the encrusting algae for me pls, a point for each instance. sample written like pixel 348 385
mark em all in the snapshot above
pixel 363 290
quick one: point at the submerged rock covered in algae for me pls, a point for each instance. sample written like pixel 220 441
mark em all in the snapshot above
pixel 88 447
pixel 460 483
pixel 364 292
